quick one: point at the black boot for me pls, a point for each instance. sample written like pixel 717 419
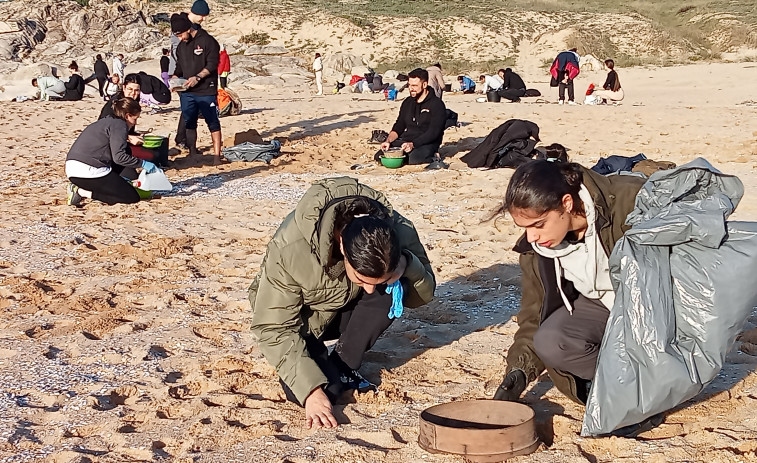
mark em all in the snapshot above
pixel 633 430
pixel 192 141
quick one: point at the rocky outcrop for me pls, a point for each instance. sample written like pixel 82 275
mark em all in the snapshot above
pixel 19 37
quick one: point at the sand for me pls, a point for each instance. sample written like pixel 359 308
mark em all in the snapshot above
pixel 125 329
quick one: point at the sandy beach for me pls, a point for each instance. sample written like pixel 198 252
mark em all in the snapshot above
pixel 125 329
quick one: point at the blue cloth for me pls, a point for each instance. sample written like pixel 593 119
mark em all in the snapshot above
pixel 395 289
pixel 467 84
pixel 149 167
pixel 191 107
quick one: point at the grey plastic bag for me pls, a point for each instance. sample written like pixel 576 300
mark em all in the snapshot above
pixel 264 152
pixel 685 281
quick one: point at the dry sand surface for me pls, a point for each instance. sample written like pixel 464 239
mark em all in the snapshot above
pixel 125 329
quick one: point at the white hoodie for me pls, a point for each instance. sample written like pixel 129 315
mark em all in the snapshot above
pixel 585 264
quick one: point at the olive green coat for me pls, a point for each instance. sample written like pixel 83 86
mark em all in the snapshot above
pixel 300 288
pixel 614 199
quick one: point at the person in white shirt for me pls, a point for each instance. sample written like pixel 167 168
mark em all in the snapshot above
pixel 490 83
pixel 118 65
pixel 318 70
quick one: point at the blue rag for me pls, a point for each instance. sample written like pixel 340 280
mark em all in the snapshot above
pixel 395 289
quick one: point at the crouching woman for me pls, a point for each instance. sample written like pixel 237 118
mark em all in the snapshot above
pixel 99 155
pixel 341 266
pixel 572 219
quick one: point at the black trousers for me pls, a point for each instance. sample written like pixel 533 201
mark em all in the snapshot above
pixel 561 88
pixel 181 132
pixel 423 154
pixel 101 83
pixel 110 189
pixel 570 343
pixel 512 94
pixel 357 326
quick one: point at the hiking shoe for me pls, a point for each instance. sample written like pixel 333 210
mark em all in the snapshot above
pixel 354 380
pixel 571 102
pixel 561 102
pixel 73 198
pixel 378 137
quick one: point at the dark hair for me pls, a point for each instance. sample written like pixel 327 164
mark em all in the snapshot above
pixel 556 152
pixel 539 186
pixel 317 55
pixel 370 244
pixel 166 51
pixel 418 73
pixel 34 82
pixel 99 57
pixel 73 66
pixel 610 64
pixel 481 77
pixel 131 78
pixel 501 70
pixel 459 78
pixel 574 50
pixel 437 65
pixel 124 106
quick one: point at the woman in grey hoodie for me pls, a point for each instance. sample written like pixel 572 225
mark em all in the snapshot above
pixel 100 154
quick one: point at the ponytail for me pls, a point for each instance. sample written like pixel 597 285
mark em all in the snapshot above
pixel 539 186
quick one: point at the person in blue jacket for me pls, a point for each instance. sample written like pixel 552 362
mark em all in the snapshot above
pixel 466 84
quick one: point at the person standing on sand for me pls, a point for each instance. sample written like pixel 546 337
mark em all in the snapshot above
pixel 436 79
pixel 165 63
pixel 318 70
pixel 342 265
pixel 224 67
pixel 197 61
pixel 564 69
pixel 101 74
pixel 419 128
pixel 118 65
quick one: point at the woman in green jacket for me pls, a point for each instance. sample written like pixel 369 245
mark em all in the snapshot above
pixel 572 218
pixel 325 276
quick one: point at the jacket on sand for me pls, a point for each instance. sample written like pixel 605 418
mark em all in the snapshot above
pixel 613 200
pixel 301 287
pixel 486 153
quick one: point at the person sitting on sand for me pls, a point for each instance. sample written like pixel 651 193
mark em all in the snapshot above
pixel 466 84
pixel 611 90
pixel 99 155
pixel 112 87
pixel 489 83
pixel 50 88
pixel 132 90
pixel 75 84
pixel 341 266
pixel 420 125
pixel 513 86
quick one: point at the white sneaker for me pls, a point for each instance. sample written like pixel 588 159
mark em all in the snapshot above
pixel 571 102
pixel 561 102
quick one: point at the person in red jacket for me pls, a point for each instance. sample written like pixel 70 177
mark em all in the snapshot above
pixel 564 69
pixel 224 66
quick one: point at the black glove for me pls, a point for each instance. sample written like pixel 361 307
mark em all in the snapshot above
pixel 512 386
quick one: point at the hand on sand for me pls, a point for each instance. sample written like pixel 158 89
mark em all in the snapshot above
pixel 318 412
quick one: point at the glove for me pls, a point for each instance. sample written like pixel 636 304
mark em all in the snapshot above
pixel 512 386
pixel 395 289
pixel 149 167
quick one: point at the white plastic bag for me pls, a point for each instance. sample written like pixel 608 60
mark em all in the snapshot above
pixel 156 181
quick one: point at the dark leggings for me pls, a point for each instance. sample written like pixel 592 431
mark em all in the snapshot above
pixel 561 89
pixel 101 84
pixel 357 326
pixel 110 189
pixel 512 94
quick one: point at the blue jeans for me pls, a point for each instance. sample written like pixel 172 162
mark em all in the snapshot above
pixel 191 107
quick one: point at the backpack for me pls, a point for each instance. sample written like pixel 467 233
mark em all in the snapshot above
pixel 229 103
pixel 451 120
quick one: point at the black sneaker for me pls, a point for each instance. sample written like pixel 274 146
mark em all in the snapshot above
pixel 378 137
pixel 633 430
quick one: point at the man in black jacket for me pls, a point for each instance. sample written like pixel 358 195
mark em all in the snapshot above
pixel 197 61
pixel 420 125
pixel 101 73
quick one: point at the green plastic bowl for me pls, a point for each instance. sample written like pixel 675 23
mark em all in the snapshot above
pixel 392 163
pixel 152 141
